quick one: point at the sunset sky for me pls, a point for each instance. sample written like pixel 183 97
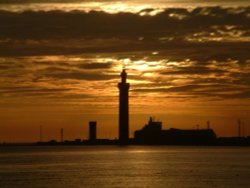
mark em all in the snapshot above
pixel 60 61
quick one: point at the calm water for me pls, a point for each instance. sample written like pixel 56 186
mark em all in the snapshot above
pixel 110 166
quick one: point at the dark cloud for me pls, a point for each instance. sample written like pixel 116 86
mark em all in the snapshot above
pixel 53 69
pixel 76 72
pixel 4 66
pixel 42 93
pixel 239 95
pixel 173 30
pixel 30 91
pixel 241 78
pixel 184 88
pixel 194 70
pixel 174 33
pixel 95 65
pixel 76 24
pixel 78 75
pixel 224 91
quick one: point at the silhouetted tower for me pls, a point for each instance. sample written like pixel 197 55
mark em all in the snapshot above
pixel 62 139
pixel 92 131
pixel 123 109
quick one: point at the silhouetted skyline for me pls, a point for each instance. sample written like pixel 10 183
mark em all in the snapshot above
pixel 152 133
pixel 60 61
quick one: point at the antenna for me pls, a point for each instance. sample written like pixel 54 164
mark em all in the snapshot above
pixel 62 135
pixel 243 129
pixel 41 133
pixel 239 128
pixel 208 124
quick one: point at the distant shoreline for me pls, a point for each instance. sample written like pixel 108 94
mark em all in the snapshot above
pixel 221 141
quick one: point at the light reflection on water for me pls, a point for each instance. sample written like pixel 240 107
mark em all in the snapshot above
pixel 110 166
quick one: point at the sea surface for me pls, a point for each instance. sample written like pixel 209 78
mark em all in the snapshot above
pixel 133 166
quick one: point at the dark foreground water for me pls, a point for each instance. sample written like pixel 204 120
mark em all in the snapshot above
pixel 135 166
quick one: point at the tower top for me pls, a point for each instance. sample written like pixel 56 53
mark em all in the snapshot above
pixel 124 76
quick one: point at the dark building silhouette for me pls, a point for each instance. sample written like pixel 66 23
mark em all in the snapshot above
pixel 123 109
pixel 152 133
pixel 92 131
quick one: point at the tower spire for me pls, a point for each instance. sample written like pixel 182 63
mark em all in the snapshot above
pixel 124 76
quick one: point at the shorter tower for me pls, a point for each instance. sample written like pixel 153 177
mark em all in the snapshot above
pixel 92 131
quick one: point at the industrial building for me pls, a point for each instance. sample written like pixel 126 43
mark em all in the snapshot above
pixel 152 133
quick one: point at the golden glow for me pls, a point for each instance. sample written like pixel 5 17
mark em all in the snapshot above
pixel 112 8
pixel 115 6
pixel 79 99
pixel 143 65
pixel 122 7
